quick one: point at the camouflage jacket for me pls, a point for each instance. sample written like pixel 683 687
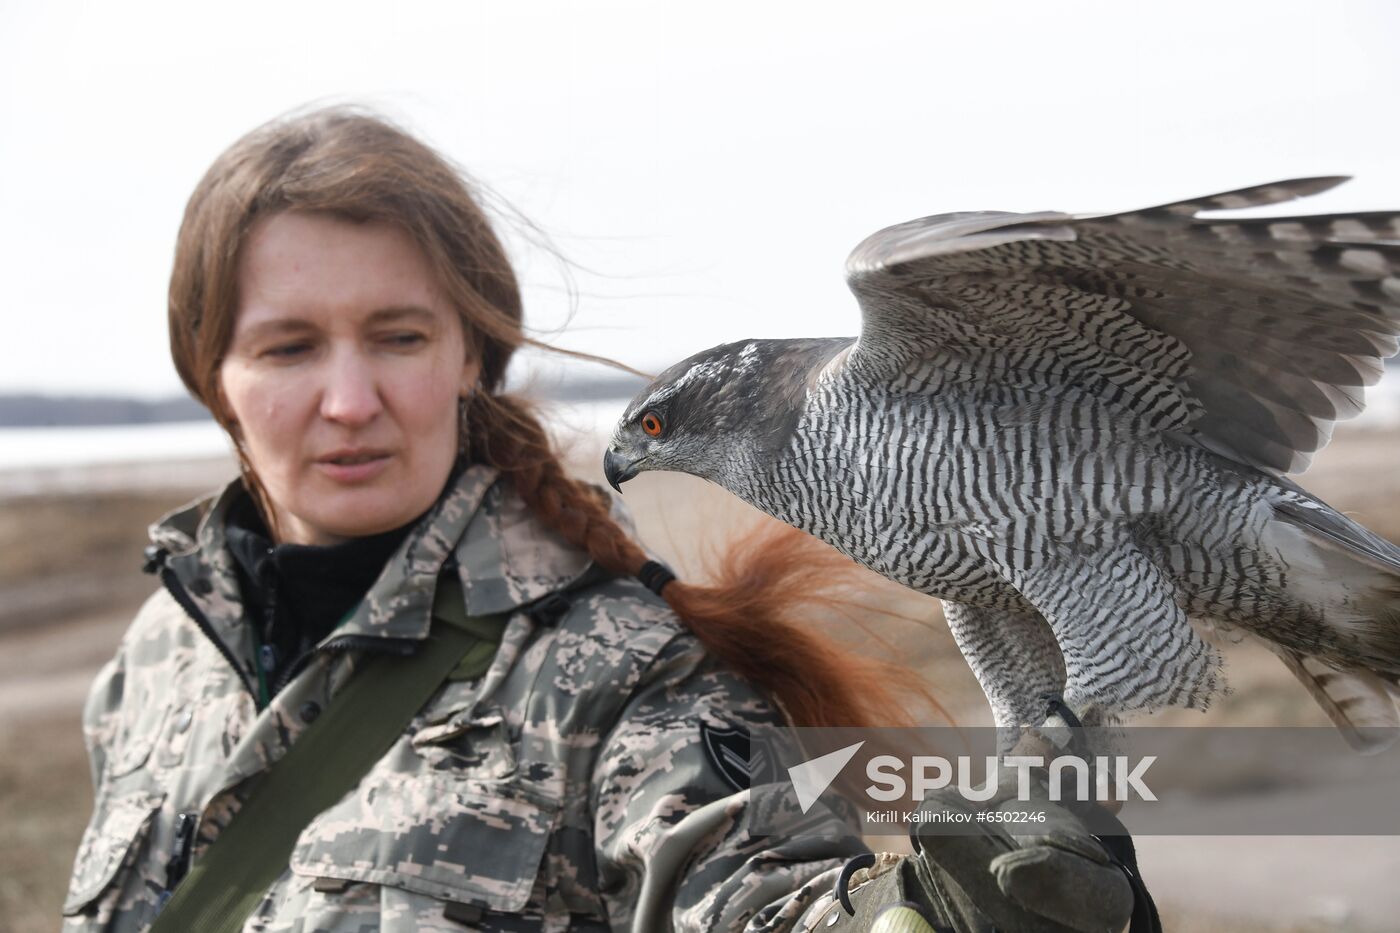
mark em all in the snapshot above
pixel 568 788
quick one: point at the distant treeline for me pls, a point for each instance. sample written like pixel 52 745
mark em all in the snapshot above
pixel 54 411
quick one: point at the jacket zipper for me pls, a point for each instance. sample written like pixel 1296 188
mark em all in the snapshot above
pixel 266 660
pixel 177 590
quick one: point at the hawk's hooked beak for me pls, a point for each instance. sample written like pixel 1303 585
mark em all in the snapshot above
pixel 618 468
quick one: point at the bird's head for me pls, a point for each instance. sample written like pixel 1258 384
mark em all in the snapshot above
pixel 719 413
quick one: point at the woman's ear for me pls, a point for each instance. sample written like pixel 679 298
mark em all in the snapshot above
pixel 471 379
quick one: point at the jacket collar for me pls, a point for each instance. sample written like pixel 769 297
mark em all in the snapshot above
pixel 505 557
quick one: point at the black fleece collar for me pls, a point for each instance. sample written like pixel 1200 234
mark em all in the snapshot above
pixel 296 594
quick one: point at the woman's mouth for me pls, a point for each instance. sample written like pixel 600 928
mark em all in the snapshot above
pixel 353 466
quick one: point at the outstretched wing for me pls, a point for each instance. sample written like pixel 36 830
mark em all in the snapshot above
pixel 1248 337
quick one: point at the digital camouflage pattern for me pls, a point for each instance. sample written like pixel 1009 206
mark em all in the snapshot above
pixel 566 789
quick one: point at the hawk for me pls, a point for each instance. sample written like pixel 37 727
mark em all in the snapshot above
pixel 1075 431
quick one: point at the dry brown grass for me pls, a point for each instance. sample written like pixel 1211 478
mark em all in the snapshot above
pixel 63 555
pixel 45 799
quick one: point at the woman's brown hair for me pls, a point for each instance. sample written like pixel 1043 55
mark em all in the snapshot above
pixel 358 165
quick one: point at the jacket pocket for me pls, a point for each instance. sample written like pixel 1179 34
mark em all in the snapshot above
pixel 116 832
pixel 145 714
pixel 466 842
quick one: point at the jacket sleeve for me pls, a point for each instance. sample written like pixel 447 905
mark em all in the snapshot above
pixel 673 845
pixel 100 714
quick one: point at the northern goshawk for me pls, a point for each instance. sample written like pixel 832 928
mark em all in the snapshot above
pixel 1075 430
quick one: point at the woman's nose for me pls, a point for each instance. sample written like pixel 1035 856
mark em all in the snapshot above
pixel 351 392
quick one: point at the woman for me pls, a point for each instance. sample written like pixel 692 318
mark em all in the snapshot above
pixel 342 306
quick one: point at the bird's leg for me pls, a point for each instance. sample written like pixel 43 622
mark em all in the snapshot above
pixel 1015 659
pixel 1126 642
pixel 1018 665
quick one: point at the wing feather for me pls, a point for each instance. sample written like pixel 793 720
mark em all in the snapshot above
pixel 1249 337
pixel 1256 377
pixel 1224 299
pixel 1361 227
pixel 1337 271
pixel 1274 192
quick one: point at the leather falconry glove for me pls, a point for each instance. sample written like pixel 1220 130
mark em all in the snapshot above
pixel 994 875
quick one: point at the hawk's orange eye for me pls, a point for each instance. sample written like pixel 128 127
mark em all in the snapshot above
pixel 651 424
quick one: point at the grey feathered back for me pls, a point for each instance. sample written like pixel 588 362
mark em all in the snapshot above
pixel 1257 333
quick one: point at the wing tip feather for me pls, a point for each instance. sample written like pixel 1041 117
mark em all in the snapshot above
pixel 1274 192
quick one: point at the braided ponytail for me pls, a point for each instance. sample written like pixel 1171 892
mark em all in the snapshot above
pixel 749 618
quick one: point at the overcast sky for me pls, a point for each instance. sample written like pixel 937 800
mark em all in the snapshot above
pixel 706 167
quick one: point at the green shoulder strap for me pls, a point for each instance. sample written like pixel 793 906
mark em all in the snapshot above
pixel 324 764
pixel 450 607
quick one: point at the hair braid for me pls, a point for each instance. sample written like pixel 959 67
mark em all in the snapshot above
pixel 750 618
pixel 503 432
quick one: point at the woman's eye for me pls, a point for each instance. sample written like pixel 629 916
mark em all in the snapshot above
pixel 406 339
pixel 287 350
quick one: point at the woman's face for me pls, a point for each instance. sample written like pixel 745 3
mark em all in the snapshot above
pixel 343 375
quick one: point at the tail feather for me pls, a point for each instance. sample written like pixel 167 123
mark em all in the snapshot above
pixel 1360 704
pixel 1326 525
pixel 1348 578
pixel 1345 573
